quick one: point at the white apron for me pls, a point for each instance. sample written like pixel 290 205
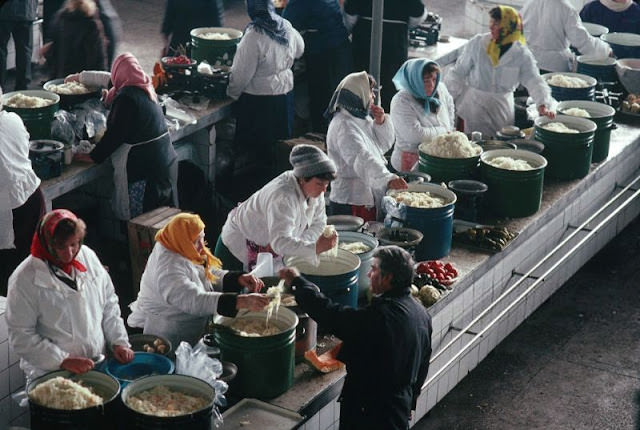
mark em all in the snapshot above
pixel 486 112
pixel 189 330
pixel 120 197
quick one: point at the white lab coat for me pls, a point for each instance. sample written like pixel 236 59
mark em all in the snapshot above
pixel 175 297
pixel 278 215
pixel 414 126
pixel 484 94
pixel 18 181
pixel 261 66
pixel 550 27
pixel 49 321
pixel 357 146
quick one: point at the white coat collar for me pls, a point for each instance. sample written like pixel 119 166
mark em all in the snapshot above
pixel 43 278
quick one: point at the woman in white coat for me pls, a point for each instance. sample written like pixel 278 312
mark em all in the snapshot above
pixel 421 110
pixel 285 217
pixel 550 27
pixel 183 284
pixel 62 309
pixel 22 199
pixel 489 69
pixel 261 81
pixel 357 143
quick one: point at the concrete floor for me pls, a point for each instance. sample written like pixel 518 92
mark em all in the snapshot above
pixel 574 364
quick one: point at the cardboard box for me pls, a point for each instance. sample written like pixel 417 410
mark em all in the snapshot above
pixel 142 231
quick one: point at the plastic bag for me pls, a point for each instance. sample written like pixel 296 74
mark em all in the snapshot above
pixel 195 362
pixel 91 120
pixel 62 127
pixel 396 212
pixel 21 398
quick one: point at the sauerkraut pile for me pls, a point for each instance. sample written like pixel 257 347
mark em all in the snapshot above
pixel 215 36
pixel 559 127
pixel 20 100
pixel 355 247
pixel 454 144
pixel 574 111
pixel 162 401
pixel 509 163
pixel 250 327
pixel 63 393
pixel 69 88
pixel 565 81
pixel 418 199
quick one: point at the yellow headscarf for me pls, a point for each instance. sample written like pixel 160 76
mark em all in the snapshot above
pixel 510 31
pixel 178 236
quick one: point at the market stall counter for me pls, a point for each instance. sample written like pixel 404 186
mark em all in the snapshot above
pixel 497 290
pixel 80 173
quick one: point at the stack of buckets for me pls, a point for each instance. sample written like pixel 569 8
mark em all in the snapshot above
pixel 602 115
pixel 568 154
pixel 564 93
pixel 513 193
pixel 447 169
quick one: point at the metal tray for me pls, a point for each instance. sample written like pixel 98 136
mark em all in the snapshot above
pixel 256 414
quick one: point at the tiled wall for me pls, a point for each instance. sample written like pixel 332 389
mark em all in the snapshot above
pixel 11 380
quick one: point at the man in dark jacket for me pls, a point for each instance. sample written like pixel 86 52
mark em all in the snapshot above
pixel 327 51
pixel 386 345
pixel 399 16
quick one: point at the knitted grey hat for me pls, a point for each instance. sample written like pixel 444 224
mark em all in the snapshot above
pixel 308 161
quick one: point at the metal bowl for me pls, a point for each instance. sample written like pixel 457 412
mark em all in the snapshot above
pixel 400 236
pixel 138 342
pixel 69 100
pixel 628 71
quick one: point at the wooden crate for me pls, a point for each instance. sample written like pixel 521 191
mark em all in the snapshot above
pixel 142 231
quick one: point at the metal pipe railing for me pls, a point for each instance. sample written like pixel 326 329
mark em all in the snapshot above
pixel 539 280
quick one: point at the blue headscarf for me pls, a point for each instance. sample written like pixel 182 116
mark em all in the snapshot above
pixel 265 20
pixel 409 78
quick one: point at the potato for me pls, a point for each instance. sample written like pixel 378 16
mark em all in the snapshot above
pixel 158 342
pixel 162 348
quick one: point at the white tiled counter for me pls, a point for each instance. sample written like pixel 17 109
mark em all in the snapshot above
pixel 11 380
pixel 485 277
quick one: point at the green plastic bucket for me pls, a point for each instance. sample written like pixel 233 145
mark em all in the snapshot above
pixel 568 154
pixel 218 53
pixel 265 363
pixel 36 120
pixel 436 224
pixel 564 93
pixel 513 193
pixel 447 169
pixel 602 115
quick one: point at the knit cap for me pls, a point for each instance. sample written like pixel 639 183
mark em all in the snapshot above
pixel 308 161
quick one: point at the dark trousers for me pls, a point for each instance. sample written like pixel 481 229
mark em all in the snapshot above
pixel 229 261
pixel 25 222
pixel 325 70
pixel 23 41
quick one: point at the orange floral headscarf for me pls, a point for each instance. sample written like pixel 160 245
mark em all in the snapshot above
pixel 42 245
pixel 179 236
pixel 510 31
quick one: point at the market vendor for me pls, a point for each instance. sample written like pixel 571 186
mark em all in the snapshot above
pixel 386 345
pixel 261 80
pixel 490 68
pixel 183 284
pixel 421 110
pixel 20 194
pixel 137 140
pixel 619 16
pixel 551 27
pixel 286 217
pixel 356 142
pixel 62 309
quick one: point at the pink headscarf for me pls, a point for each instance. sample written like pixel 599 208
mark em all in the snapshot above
pixel 127 72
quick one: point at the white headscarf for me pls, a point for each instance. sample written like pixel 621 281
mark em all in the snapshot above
pixel 617 6
pixel 352 94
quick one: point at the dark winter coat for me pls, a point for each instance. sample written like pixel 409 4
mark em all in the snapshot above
pixel 386 350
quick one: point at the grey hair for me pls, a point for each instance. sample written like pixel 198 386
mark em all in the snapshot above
pixel 397 262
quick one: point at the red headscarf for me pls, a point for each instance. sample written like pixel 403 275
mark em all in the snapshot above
pixel 127 72
pixel 42 243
